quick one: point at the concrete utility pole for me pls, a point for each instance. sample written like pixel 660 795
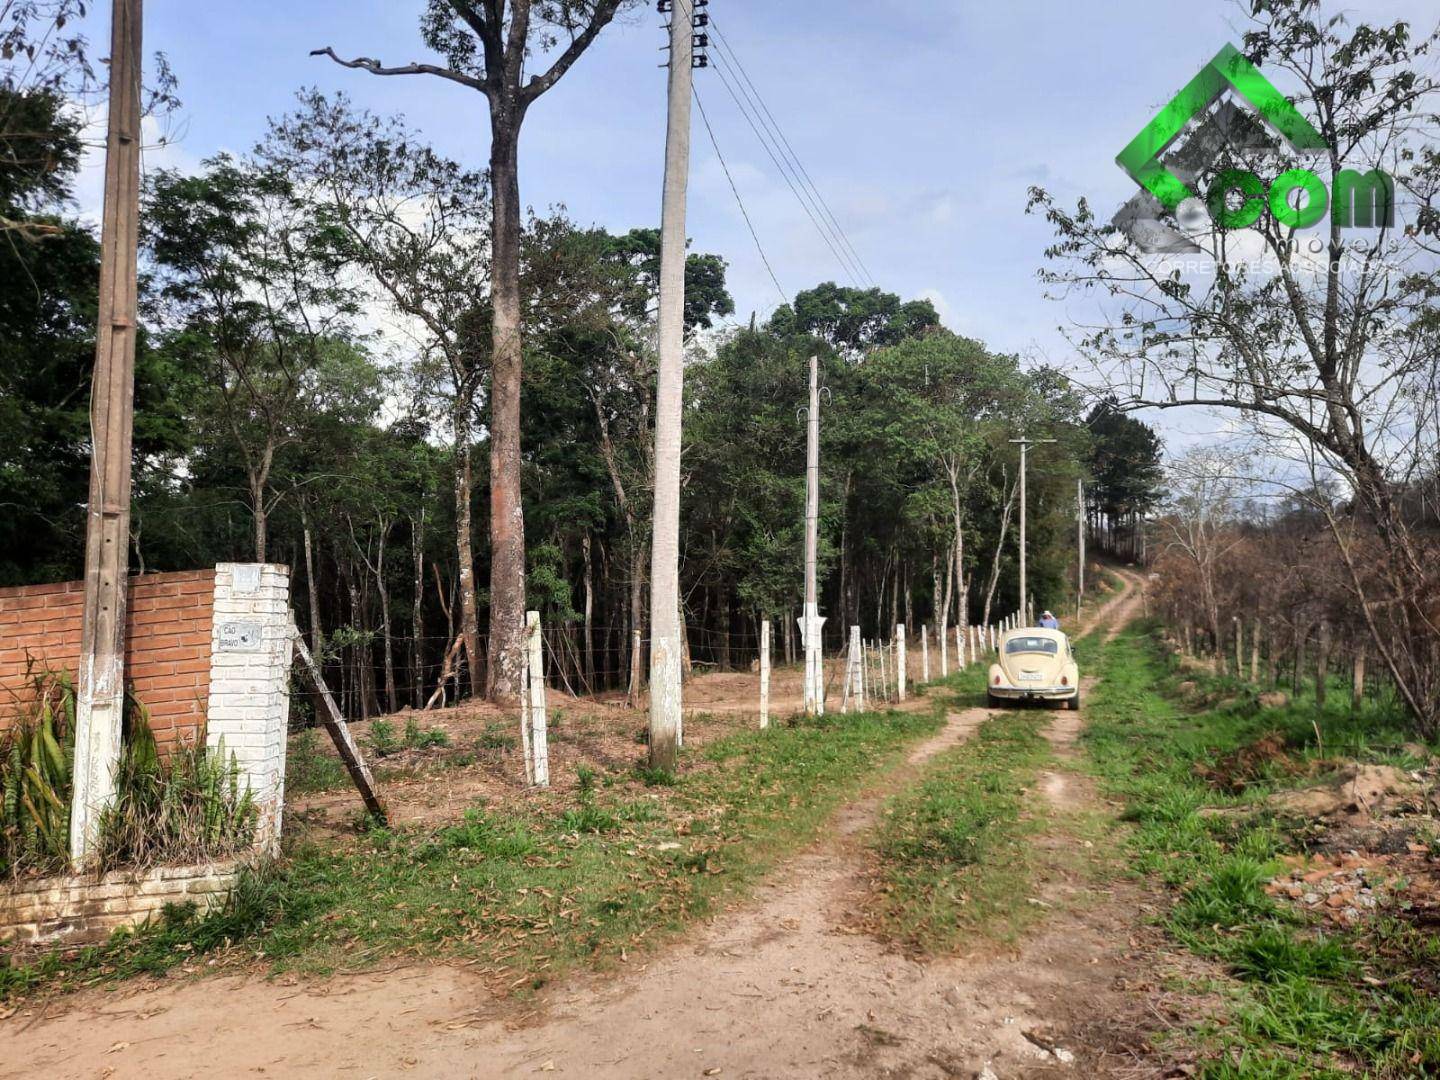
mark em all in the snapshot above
pixel 811 622
pixel 1025 445
pixel 100 696
pixel 665 645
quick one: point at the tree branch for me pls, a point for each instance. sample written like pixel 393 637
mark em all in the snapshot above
pixel 374 67
pixel 604 12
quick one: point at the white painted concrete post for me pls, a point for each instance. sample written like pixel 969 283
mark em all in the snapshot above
pixel 944 649
pixel 537 755
pixel 765 673
pixel 900 672
pixel 854 682
pixel 924 653
pixel 810 635
pixel 247 715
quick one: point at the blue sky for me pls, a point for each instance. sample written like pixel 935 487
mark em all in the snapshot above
pixel 923 123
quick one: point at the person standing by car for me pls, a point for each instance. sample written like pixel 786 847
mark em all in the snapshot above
pixel 1049 621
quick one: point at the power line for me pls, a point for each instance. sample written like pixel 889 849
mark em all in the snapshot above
pixel 732 59
pixel 774 153
pixel 744 212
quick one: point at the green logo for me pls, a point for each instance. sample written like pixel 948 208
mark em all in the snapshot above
pixel 1361 199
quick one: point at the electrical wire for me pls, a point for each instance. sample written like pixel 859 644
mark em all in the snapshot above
pixel 784 297
pixel 726 52
pixel 775 153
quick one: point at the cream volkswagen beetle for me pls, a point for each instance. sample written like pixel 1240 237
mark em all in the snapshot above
pixel 1035 664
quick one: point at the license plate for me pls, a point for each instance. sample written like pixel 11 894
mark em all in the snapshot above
pixel 1031 676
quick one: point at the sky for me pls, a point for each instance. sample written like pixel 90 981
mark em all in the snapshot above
pixel 923 123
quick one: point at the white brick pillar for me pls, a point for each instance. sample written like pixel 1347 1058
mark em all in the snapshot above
pixel 249 707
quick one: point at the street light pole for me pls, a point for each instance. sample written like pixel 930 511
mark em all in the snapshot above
pixel 1025 444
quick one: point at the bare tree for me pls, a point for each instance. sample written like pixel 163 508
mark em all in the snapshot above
pixel 1313 336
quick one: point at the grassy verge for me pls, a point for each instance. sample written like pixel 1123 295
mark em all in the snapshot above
pixel 527 891
pixel 1300 1001
pixel 950 851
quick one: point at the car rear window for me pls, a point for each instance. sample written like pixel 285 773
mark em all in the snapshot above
pixel 1046 645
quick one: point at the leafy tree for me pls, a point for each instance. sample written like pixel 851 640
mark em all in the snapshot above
pixel 418 226
pixel 853 320
pixel 250 291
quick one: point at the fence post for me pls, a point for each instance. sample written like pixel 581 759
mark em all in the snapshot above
pixel 1255 650
pixel 765 673
pixel 900 661
pixel 537 747
pixel 854 672
pixel 1239 648
pixel 924 653
pixel 944 648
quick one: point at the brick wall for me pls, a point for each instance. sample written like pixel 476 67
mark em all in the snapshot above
pixel 77 909
pixel 168 637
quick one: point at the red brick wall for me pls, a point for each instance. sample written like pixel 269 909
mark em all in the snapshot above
pixel 167 646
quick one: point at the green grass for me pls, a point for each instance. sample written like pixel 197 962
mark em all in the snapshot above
pixel 951 852
pixel 1301 1002
pixel 530 890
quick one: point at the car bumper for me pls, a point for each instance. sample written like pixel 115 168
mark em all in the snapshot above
pixel 1033 693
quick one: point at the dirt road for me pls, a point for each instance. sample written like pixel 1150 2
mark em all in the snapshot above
pixel 780 987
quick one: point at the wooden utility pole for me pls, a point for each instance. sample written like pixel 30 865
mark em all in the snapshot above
pixel 1025 444
pixel 100 697
pixel 811 622
pixel 665 644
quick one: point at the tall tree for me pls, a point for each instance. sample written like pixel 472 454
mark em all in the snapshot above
pixel 486 46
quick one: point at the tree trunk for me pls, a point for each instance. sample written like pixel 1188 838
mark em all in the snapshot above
pixel 257 503
pixel 1322 665
pixel 417 612
pixel 507 516
pixel 637 623
pixel 589 610
pixel 392 696
pixel 464 543
pixel 999 551
pixel 1357 679
pixel 317 635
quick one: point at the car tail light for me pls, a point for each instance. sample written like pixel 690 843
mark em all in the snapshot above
pixel 1064 680
pixel 997 680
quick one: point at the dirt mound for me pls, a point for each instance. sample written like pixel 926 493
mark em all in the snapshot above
pixel 1356 793
pixel 1264 758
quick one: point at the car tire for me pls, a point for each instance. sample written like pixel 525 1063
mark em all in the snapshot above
pixel 992 701
pixel 1073 704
